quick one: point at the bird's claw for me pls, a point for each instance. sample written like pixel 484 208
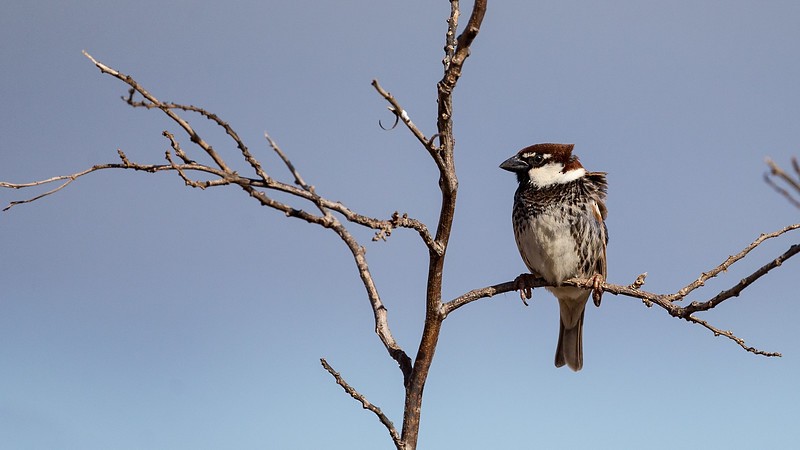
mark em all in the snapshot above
pixel 597 288
pixel 522 284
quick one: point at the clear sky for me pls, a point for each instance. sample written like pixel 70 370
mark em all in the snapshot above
pixel 136 313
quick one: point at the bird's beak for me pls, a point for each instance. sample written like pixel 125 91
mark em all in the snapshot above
pixel 514 164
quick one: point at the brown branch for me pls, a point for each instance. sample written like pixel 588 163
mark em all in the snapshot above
pixel 384 227
pixel 168 111
pixel 785 193
pixel 357 396
pixel 665 301
pixel 298 180
pixel 455 57
pixel 402 114
pixel 443 156
pixel 705 276
pixel 743 283
pixel 731 336
pixel 126 164
pixel 226 176
pixel 780 174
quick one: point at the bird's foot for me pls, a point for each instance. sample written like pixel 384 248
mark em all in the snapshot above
pixel 523 284
pixel 597 288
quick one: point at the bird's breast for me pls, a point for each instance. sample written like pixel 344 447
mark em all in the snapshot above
pixel 547 245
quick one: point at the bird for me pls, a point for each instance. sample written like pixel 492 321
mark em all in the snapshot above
pixel 559 224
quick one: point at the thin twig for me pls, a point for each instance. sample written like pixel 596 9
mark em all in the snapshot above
pixel 777 172
pixel 731 336
pixel 741 285
pixel 705 276
pixel 785 193
pixel 151 168
pixel 297 178
pixel 364 403
pixel 402 114
pixel 168 111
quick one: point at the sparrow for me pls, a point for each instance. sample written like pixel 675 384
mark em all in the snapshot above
pixel 559 225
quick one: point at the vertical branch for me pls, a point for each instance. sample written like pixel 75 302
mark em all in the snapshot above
pixel 456 51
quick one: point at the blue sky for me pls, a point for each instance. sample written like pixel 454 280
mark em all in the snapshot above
pixel 138 313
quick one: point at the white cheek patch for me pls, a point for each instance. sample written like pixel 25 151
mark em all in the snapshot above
pixel 550 174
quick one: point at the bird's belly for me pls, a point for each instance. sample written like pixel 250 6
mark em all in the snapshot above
pixel 549 249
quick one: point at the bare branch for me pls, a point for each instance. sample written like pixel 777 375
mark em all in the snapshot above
pixel 665 301
pixel 454 60
pixel 378 309
pixel 785 193
pixel 477 294
pixel 443 156
pixel 731 336
pixel 779 174
pixel 126 164
pixel 741 285
pixel 69 178
pixel 298 180
pixel 168 111
pixel 705 276
pixel 226 176
pixel 384 227
pixel 401 113
pixel 365 404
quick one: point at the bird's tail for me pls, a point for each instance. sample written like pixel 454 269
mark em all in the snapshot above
pixel 569 350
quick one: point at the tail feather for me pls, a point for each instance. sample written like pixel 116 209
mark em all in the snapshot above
pixel 569 350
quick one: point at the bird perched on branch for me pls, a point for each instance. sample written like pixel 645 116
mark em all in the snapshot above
pixel 559 225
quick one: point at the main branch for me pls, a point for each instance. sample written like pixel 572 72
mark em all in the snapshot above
pixel 665 301
pixel 443 155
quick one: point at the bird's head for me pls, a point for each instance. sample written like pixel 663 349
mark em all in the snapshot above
pixel 545 165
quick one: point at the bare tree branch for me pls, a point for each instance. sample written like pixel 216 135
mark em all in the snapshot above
pixel 776 174
pixel 455 55
pixel 705 276
pixel 335 216
pixel 126 164
pixel 226 176
pixel 665 301
pixel 365 404
pixel 168 111
pixel 401 113
pixel 443 156
pixel 298 180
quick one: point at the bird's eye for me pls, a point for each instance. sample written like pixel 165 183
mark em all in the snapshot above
pixel 538 158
